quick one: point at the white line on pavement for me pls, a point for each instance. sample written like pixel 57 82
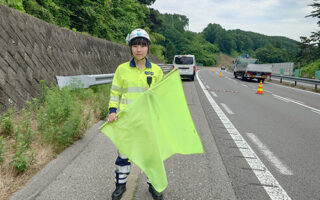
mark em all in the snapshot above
pixel 316 111
pixel 297 102
pixel 270 184
pixel 282 168
pixel 227 108
pixel 244 85
pixel 214 94
pixel 268 91
pixel 207 87
pixel 295 88
pixel 280 98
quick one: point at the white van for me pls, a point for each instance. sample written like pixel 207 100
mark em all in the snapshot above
pixel 186 64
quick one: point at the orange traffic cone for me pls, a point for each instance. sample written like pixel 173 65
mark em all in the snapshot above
pixel 220 74
pixel 212 69
pixel 260 89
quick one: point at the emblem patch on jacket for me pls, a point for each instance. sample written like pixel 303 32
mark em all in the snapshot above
pixel 148 73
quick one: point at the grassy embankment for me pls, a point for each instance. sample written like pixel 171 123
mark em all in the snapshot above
pixel 32 137
pixel 310 70
pixel 224 60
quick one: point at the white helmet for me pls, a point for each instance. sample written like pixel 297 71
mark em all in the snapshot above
pixel 137 33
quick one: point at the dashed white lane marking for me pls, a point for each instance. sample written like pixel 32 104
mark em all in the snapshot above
pixel 244 85
pixel 269 183
pixel 296 102
pixel 214 94
pixel 282 168
pixel 227 108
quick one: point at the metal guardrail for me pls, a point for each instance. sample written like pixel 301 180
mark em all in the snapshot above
pixel 85 81
pixel 166 68
pixel 298 79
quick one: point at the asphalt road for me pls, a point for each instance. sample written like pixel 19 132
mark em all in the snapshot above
pixel 86 169
pixel 282 127
pixel 256 147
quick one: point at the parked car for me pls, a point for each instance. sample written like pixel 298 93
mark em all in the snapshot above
pixel 186 64
pixel 223 68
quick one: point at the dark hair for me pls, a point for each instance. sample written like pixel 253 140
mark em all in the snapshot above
pixel 140 41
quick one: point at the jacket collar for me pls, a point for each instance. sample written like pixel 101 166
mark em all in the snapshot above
pixel 133 64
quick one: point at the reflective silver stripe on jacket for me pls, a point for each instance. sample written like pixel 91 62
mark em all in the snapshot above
pixel 114 87
pixel 134 89
pixel 114 98
pixel 126 101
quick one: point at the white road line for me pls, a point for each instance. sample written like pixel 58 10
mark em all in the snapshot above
pixel 214 94
pixel 297 102
pixel 293 100
pixel 267 91
pixel 227 108
pixel 316 111
pixel 282 168
pixel 244 85
pixel 270 184
pixel 280 98
pixel 207 87
pixel 295 88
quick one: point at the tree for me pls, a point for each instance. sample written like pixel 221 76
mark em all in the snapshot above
pixel 271 54
pixel 316 12
pixel 147 2
pixel 211 32
pixel 310 47
pixel 155 20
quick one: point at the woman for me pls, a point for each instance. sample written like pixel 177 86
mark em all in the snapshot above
pixel 131 79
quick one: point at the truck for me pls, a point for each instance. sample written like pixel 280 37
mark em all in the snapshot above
pixel 248 69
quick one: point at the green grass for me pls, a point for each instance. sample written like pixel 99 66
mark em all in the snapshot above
pixel 6 123
pixel 2 149
pixel 309 70
pixel 58 117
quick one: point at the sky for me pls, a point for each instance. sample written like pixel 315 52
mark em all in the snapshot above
pixel 268 17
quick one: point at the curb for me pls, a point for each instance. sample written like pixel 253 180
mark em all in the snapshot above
pixel 48 174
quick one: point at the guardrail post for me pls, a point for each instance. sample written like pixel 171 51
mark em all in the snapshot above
pixel 295 83
pixel 281 80
pixel 315 86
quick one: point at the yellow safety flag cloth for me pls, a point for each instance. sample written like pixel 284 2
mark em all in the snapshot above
pixel 154 127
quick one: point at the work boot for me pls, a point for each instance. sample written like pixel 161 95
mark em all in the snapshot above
pixel 118 192
pixel 155 195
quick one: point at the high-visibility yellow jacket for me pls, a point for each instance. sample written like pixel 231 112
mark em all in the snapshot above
pixel 129 82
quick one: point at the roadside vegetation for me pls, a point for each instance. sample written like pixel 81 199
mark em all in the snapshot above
pixel 114 19
pixel 309 70
pixel 309 47
pixel 32 137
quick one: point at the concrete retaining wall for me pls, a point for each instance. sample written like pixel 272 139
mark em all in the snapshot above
pixel 32 50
